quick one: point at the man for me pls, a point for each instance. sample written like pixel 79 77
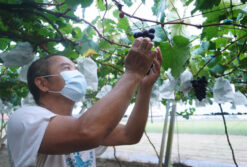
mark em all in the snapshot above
pixel 47 134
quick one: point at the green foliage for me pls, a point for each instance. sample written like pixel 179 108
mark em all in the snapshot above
pixel 202 5
pixel 159 8
pixel 175 56
pixel 219 50
pixel 12 90
pixel 243 1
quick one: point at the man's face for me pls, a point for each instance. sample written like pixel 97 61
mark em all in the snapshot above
pixel 57 65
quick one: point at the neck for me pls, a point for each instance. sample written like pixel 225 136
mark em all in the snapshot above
pixel 58 105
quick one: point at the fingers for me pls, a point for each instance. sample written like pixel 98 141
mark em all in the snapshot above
pixel 156 67
pixel 157 60
pixel 159 55
pixel 137 42
pixel 149 46
pixel 144 43
pixel 153 54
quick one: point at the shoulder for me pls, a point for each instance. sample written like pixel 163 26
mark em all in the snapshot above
pixel 30 111
pixel 29 115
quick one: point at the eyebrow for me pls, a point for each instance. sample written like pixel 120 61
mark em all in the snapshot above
pixel 64 64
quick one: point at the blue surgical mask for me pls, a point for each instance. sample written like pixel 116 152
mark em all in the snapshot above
pixel 75 85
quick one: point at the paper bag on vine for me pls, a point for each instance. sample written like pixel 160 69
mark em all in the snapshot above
pixel 185 78
pixel 104 90
pixel 155 96
pixel 20 55
pixel 89 69
pixel 223 91
pixel 23 71
pixel 239 99
pixel 167 89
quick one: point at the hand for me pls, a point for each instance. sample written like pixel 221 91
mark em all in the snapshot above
pixel 151 78
pixel 140 57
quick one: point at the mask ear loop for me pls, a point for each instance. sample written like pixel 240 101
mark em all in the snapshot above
pixel 52 75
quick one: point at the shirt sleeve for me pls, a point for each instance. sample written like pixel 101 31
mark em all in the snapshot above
pixel 25 132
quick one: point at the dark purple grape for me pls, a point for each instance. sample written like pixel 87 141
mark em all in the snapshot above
pixel 145 33
pixel 136 35
pixel 151 36
pixel 151 30
pixel 139 34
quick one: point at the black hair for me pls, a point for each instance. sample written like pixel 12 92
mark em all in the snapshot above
pixel 38 68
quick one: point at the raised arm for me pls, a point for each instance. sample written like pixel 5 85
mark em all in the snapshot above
pixel 66 134
pixel 132 132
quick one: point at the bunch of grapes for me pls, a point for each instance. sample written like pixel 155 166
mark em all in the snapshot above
pixel 199 86
pixel 146 33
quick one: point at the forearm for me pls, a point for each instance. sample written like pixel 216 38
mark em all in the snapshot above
pixel 104 116
pixel 138 118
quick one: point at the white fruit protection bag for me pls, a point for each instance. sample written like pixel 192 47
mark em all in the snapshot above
pixel 89 69
pixel 20 55
pixel 103 91
pixel 223 92
pixel 167 89
pixel 185 78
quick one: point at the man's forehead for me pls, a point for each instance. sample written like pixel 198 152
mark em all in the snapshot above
pixel 61 60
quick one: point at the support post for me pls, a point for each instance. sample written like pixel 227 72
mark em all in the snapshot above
pixel 170 135
pixel 163 141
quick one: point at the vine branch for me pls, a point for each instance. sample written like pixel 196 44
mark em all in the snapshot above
pixel 234 57
pixel 227 136
pixel 104 64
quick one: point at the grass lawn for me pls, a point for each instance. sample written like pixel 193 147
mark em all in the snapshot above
pixel 202 127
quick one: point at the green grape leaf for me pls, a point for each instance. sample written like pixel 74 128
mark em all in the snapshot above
pixel 218 69
pixel 159 8
pixel 209 32
pixel 128 2
pixel 188 2
pixel 175 56
pixel 160 35
pixel 243 1
pixel 202 5
pixel 123 23
pixel 86 3
pixel 243 63
pixel 76 33
pixel 203 48
pixel 73 3
pixel 101 6
pixel 214 60
pixel 244 20
pixel 4 43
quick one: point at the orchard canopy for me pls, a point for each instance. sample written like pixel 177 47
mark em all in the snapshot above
pixel 34 28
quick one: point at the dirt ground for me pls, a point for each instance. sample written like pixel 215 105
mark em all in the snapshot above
pixel 209 150
pixel 200 150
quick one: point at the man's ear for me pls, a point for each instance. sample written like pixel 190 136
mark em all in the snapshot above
pixel 41 83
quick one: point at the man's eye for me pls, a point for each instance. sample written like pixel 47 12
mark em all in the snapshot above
pixel 68 68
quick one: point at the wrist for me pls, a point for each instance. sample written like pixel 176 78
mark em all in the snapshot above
pixel 134 76
pixel 145 87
